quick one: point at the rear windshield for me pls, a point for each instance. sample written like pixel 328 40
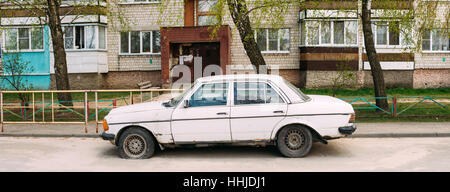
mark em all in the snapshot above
pixel 297 91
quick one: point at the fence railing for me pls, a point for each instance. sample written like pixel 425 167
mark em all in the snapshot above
pixel 404 105
pixel 90 105
pixel 43 107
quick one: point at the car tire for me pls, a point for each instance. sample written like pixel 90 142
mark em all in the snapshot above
pixel 294 141
pixel 135 143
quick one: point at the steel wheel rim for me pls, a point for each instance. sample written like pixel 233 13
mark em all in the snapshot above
pixel 294 139
pixel 134 145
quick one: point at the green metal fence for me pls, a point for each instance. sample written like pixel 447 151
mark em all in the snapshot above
pixel 403 106
pixel 88 105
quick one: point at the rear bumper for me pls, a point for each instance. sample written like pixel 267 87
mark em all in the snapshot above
pixel 347 130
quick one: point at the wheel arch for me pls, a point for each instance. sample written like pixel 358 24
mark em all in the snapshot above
pixel 119 134
pixel 316 135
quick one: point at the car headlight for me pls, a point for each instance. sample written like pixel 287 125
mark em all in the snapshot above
pixel 105 125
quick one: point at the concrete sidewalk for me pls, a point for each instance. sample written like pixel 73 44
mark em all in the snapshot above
pixel 390 129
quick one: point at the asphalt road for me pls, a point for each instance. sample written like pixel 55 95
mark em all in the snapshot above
pixel 348 154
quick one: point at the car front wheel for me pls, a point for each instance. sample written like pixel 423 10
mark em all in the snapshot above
pixel 136 143
pixel 294 141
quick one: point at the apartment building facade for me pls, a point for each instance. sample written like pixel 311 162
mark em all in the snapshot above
pixel 184 38
pixel 307 48
pixel 25 34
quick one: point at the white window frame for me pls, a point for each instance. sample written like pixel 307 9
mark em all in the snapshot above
pixel 400 37
pixel 140 44
pixel 17 39
pixel 431 44
pixel 281 96
pixel 278 43
pixel 331 44
pixel 97 39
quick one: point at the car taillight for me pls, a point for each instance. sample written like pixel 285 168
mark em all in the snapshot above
pixel 352 118
pixel 105 125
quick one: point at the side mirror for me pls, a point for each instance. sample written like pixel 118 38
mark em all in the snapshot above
pixel 186 103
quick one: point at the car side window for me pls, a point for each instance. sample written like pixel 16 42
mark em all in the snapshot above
pixel 255 93
pixel 211 94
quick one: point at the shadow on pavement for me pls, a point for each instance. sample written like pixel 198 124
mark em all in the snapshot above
pixel 217 152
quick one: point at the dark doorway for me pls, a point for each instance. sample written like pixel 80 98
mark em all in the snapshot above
pixel 188 53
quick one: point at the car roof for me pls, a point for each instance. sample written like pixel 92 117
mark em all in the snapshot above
pixel 260 77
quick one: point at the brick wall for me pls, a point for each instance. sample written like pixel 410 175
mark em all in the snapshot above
pixel 139 17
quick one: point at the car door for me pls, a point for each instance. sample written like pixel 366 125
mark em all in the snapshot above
pixel 256 108
pixel 206 118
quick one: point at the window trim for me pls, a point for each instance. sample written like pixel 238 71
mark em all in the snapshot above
pixel 201 13
pixel 400 35
pixel 96 35
pixel 140 44
pixel 331 44
pixel 188 97
pixel 255 34
pixel 272 85
pixel 431 43
pixel 30 28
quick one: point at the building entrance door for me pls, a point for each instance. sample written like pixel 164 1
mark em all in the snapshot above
pixel 196 56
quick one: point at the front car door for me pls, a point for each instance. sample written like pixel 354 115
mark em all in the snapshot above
pixel 256 109
pixel 206 119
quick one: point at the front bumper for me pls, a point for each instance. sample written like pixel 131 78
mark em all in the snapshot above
pixel 108 136
pixel 347 130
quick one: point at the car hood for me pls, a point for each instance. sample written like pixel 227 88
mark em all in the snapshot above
pixel 141 107
pixel 148 111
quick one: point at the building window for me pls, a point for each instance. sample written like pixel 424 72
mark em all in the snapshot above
pixel 406 38
pixel 313 33
pixel 204 15
pixel 140 42
pixel 24 39
pixel 328 32
pixel 436 40
pixel 84 37
pixel 272 40
pixel 351 32
pixel 302 33
pixel 386 33
pixel 338 32
pixel 325 32
pixel 101 37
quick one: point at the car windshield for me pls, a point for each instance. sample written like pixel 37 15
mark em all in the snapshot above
pixel 174 101
pixel 297 91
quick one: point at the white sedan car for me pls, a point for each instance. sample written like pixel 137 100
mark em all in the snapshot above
pixel 231 109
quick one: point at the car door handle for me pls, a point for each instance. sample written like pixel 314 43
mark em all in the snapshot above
pixel 278 111
pixel 222 113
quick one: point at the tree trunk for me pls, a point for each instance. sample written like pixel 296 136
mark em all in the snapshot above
pixel 61 75
pixel 377 72
pixel 238 8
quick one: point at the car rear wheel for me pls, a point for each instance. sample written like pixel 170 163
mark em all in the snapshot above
pixel 294 141
pixel 136 143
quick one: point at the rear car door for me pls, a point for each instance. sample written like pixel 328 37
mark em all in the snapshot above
pixel 256 109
